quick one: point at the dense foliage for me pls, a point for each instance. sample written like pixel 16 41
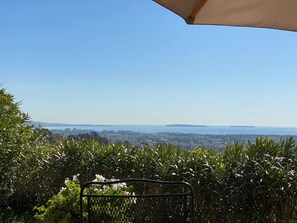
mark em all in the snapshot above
pixel 65 207
pixel 17 140
pixel 253 183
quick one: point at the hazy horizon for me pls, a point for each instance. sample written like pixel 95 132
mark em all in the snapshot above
pixel 157 124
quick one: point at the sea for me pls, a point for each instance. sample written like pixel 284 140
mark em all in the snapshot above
pixel 203 130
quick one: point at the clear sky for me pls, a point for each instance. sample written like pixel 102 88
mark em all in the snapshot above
pixel 134 62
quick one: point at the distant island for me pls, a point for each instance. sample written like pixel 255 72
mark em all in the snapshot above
pixel 185 125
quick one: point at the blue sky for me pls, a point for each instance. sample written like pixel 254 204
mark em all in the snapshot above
pixel 134 62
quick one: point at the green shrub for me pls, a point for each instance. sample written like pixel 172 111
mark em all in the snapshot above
pixel 253 183
pixel 17 137
pixel 64 207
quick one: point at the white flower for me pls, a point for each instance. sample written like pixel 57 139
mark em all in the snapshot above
pixel 66 181
pixel 99 178
pixel 75 177
pixel 122 185
pixel 115 186
pixel 62 190
pixel 134 199
pixel 119 186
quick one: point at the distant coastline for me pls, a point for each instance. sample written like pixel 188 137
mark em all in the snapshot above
pixel 242 126
pixel 174 128
pixel 48 124
pixel 184 125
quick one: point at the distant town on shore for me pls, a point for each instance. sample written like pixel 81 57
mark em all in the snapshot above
pixel 184 140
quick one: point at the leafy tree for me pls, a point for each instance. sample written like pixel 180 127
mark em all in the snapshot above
pixel 15 134
pixel 17 142
pixel 89 136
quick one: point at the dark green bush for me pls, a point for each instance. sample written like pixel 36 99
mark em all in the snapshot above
pixel 256 183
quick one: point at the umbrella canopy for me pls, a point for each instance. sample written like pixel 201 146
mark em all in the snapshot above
pixel 275 14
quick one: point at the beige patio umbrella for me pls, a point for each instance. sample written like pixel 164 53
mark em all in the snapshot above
pixel 275 14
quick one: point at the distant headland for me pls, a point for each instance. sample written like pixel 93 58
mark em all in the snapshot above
pixel 49 124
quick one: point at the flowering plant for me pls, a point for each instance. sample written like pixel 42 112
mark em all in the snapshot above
pixel 64 206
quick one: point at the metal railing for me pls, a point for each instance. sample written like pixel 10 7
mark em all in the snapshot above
pixel 143 201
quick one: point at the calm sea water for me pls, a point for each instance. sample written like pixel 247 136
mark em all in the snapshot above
pixel 208 130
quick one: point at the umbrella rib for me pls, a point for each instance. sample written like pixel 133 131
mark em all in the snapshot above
pixel 195 11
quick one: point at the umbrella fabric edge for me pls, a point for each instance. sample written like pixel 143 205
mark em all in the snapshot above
pixel 200 13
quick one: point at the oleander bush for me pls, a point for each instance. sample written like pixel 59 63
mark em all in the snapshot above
pixel 243 183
